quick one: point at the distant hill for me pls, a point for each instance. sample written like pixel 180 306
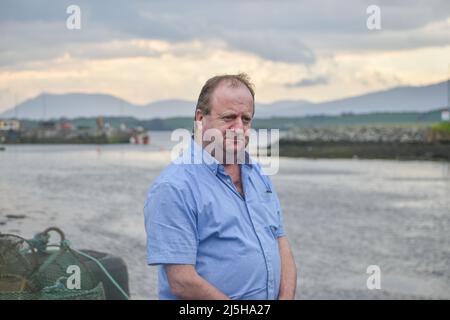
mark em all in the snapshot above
pixel 169 108
pixel 400 99
pixel 75 105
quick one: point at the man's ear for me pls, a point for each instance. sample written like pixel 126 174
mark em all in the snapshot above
pixel 198 125
pixel 199 115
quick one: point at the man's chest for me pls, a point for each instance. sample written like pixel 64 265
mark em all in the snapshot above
pixel 223 212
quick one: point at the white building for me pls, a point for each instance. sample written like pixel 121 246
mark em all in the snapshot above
pixel 9 125
pixel 445 115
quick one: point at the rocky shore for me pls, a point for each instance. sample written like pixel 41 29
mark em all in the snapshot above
pixel 406 143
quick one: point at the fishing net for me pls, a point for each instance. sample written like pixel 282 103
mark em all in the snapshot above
pixel 37 270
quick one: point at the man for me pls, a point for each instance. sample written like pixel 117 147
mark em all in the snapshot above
pixel 215 227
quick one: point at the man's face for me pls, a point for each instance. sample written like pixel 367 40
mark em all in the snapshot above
pixel 231 112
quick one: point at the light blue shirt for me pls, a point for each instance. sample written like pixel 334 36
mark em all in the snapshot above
pixel 195 215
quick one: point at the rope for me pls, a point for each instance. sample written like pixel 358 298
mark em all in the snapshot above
pixel 40 242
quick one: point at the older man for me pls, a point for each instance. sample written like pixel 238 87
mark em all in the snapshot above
pixel 215 227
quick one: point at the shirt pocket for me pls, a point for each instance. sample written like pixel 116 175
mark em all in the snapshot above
pixel 272 231
pixel 269 209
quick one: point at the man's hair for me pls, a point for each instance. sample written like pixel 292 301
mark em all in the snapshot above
pixel 233 80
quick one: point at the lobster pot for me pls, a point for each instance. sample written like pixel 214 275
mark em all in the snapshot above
pixel 34 270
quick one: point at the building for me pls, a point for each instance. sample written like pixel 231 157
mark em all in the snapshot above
pixel 9 125
pixel 9 131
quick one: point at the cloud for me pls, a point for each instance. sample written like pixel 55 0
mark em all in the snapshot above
pixel 308 82
pixel 287 31
pixel 285 47
pixel 150 50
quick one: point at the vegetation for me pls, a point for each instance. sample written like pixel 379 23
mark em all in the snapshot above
pixel 443 128
pixel 441 132
pixel 348 119
pixel 365 150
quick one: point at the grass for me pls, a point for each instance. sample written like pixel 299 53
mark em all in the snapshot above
pixel 443 127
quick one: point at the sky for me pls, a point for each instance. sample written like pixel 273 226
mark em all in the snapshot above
pixel 144 51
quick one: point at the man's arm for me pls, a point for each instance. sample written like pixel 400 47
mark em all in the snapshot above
pixel 186 283
pixel 288 283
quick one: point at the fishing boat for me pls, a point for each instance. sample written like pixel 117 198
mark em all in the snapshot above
pixel 140 137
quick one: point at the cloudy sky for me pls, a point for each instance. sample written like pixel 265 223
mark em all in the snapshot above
pixel 144 51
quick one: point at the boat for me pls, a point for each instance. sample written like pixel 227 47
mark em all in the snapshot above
pixel 140 138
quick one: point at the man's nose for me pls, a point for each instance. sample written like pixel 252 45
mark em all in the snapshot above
pixel 238 123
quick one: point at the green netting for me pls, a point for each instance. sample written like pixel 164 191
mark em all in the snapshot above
pixel 34 270
pixel 97 293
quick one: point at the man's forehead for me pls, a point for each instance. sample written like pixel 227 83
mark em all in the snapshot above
pixel 226 96
pixel 234 111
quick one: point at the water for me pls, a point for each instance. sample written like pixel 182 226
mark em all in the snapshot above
pixel 340 215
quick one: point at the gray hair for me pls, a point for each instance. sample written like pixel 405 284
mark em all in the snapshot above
pixel 234 80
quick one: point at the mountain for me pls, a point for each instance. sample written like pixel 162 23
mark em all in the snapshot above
pixel 169 109
pixel 400 99
pixel 73 105
pixel 283 108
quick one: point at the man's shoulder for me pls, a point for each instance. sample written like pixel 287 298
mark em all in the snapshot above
pixel 258 169
pixel 259 172
pixel 176 175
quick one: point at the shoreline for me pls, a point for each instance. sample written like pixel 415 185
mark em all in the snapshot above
pixel 364 150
